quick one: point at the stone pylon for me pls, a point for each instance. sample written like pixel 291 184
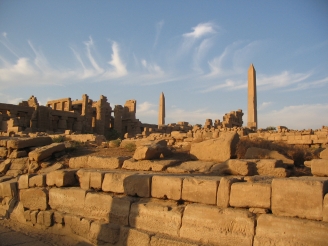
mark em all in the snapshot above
pixel 161 110
pixel 252 99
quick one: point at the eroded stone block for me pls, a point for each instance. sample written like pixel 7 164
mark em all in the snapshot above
pixel 101 233
pixel 34 198
pixel 131 237
pixel 223 196
pixel 138 185
pixel 60 178
pixel 167 187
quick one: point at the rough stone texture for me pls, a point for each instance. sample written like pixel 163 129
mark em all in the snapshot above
pixel 101 233
pixel 274 230
pixel 271 167
pixel 223 195
pixel 34 198
pixel 163 241
pixel 3 152
pixel 78 162
pixel 54 167
pixel 259 153
pixel 8 189
pixel 246 195
pixel 78 225
pixel 131 237
pixel 90 179
pixel 234 167
pixel 23 181
pixel 319 167
pixel 96 162
pixel 138 185
pixel 4 166
pixel 84 178
pixel 169 187
pixel 98 205
pixel 211 225
pixel 60 178
pixel 324 154
pixel 200 189
pixel 113 181
pixel 156 217
pixel 44 152
pixel 22 143
pixel 150 152
pixel 45 218
pixel 17 154
pixel 37 181
pixel 96 179
pixel 19 164
pixel 148 165
pixel 299 197
pixel 325 208
pixel 191 166
pixel 74 200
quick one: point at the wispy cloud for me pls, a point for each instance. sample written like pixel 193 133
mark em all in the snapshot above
pixel 312 84
pixel 264 105
pixel 159 26
pixel 202 29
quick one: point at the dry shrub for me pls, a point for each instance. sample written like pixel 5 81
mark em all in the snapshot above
pixel 298 153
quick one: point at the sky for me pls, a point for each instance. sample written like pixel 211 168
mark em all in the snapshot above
pixel 196 52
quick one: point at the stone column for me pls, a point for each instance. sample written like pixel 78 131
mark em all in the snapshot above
pixel 161 110
pixel 252 99
pixel 118 113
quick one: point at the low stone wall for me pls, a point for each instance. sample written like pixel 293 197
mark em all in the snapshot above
pixel 120 207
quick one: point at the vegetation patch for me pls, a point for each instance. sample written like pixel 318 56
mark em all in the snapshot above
pixel 59 139
pixel 130 146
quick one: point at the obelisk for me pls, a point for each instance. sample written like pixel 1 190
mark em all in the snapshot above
pixel 252 101
pixel 161 110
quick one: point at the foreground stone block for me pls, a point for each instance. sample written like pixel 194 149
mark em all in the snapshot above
pixel 113 181
pixel 45 218
pixel 102 233
pixel 37 181
pixel 191 167
pixel 169 187
pixel 208 150
pixel 211 225
pixel 148 165
pixel 44 152
pixel 60 178
pixel 156 216
pixel 259 153
pixel 4 166
pixel 224 189
pixel 105 162
pixel 78 162
pixel 8 189
pixel 325 208
pixel 275 230
pixel 131 237
pixel 138 185
pixel 98 205
pixel 299 197
pixel 251 195
pixel 161 241
pixel 22 143
pixel 319 167
pixel 234 167
pixel 34 198
pixel 200 189
pixel 78 225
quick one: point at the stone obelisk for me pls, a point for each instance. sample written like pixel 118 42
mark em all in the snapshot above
pixel 161 110
pixel 252 101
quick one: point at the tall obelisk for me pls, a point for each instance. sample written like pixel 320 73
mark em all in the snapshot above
pixel 252 101
pixel 161 110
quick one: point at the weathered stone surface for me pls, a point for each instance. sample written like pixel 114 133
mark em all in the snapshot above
pixel 102 233
pixel 96 179
pixel 138 185
pixel 200 189
pixel 325 208
pixel 78 162
pixel 219 149
pixel 271 167
pixel 37 181
pixel 19 164
pixel 97 162
pixel 324 154
pixel 299 197
pixel 84 178
pixel 234 167
pixel 4 166
pixel 150 152
pixel 22 143
pixel 58 217
pixel 163 241
pixel 23 181
pixel 276 230
pixel 113 181
pixel 191 166
pixel 211 225
pixel 98 205
pixel 319 167
pixel 78 225
pixel 74 200
pixel 167 187
pixel 52 168
pixel 17 154
pixel 246 195
pixel 259 153
pixel 131 237
pixel 223 195
pixel 44 152
pixel 156 217
pixel 45 218
pixel 148 165
pixel 60 178
pixel 8 189
pixel 3 152
pixel 86 138
pixel 34 198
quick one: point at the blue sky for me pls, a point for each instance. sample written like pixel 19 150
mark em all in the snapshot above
pixel 196 52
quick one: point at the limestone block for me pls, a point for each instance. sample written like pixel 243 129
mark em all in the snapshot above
pixel 234 167
pixel 151 152
pixel 37 180
pixel 4 166
pixel 105 162
pixel 247 194
pixel 60 178
pixel 131 237
pixel 8 189
pixel 84 178
pixel 52 168
pixel 276 230
pixel 319 167
pixel 200 189
pixel 74 200
pixel 98 205
pixel 299 197
pixel 156 216
pixel 23 181
pixel 34 198
pixel 18 213
pixel 191 166
pixel 223 195
pixel 58 217
pixel 17 154
pixel 96 179
pixel 34 216
pixel 101 233
pixel 325 208
pixel 120 210
pixel 19 164
pixel 3 152
pixel 208 150
pixel 44 152
pixel 211 225
pixel 27 215
pixel 148 165
pixel 300 141
pixel 259 153
pixel 113 181
pixel 45 218
pixel 163 241
pixel 324 154
pixel 78 225
pixel 138 185
pixel 169 187
pixel 3 142
pixel 22 143
pixel 78 162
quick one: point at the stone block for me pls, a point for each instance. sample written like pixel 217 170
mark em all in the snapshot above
pixel 319 167
pixel 98 205
pixel 45 218
pixel 34 198
pixel 19 164
pixel 276 230
pixel 191 166
pixel 214 226
pixel 3 152
pixel 120 209
pixel 102 233
pixel 148 165
pixel 78 162
pixel 78 225
pixel 58 217
pixel 259 153
pixel 37 181
pixel 4 166
pixel 131 237
pixel 200 189
pixel 325 208
pixel 224 189
pixel 74 200
pixel 17 154
pixel 247 195
pixel 300 141
pixel 23 181
pixel 44 152
pixel 138 185
pixel 169 187
pixel 156 216
pixel 324 154
pixel 84 179
pixel 96 179
pixel 22 143
pixel 163 241
pixel 8 189
pixel 234 167
pixel 299 197
pixel 60 178
pixel 113 181
pixel 105 162
pixel 34 216
pixel 51 168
